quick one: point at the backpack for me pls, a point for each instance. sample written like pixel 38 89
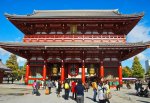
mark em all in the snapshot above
pixel 66 86
pixel 34 84
pixel 101 93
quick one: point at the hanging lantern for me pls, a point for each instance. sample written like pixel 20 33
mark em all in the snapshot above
pixel 54 70
pixel 73 70
pixel 91 70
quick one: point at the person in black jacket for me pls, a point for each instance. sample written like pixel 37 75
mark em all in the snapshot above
pixel 149 84
pixel 136 86
pixel 80 92
pixel 59 89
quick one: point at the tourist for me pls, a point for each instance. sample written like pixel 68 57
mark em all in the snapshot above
pixel 149 84
pixel 80 92
pixel 45 84
pixel 38 85
pixel 146 92
pixel 59 89
pixel 42 84
pixel 101 93
pixel 67 89
pixel 86 86
pixel 49 85
pixel 140 85
pixel 128 85
pixel 56 83
pixel 94 86
pixel 136 86
pixel 107 88
pixel 117 86
pixel 34 87
pixel 53 83
pixel 73 85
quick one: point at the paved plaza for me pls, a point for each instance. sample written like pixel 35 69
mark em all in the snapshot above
pixel 17 93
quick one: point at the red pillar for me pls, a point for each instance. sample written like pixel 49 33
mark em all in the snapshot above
pixel 62 71
pixel 83 72
pixel 27 73
pixel 44 72
pixel 101 72
pixel 120 73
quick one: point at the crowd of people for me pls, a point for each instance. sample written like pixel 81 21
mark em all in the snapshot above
pixel 101 89
pixel 140 90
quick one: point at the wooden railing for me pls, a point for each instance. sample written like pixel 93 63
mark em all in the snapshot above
pixel 74 38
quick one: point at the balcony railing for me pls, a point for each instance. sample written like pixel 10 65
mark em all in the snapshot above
pixel 74 38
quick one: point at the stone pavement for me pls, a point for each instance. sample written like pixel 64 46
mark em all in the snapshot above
pixel 15 93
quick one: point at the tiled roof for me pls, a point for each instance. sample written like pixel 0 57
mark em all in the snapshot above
pixel 3 67
pixel 70 44
pixel 73 14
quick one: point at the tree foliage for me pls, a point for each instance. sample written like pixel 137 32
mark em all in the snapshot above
pixel 137 69
pixel 12 64
pixel 23 70
pixel 18 72
pixel 127 72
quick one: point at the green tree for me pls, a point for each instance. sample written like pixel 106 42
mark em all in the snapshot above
pixel 137 69
pixel 12 63
pixel 21 72
pixel 127 72
pixel 23 69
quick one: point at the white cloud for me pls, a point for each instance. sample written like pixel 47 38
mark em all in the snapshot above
pixel 139 33
pixel 141 56
pixel 21 60
pixel 4 52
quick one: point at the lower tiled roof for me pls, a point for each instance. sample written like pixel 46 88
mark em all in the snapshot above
pixel 71 44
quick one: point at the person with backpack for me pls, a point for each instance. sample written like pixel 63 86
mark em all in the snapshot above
pixel 67 89
pixel 101 93
pixel 80 92
pixel 34 87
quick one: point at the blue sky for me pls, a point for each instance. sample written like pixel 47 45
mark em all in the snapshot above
pixel 8 32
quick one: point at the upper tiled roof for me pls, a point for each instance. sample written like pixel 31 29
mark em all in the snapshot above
pixel 73 14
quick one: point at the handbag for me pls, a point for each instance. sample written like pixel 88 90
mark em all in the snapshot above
pixel 108 95
pixel 47 92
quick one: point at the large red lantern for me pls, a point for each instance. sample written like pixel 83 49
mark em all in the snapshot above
pixel 73 70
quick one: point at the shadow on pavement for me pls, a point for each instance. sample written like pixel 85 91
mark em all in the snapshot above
pixel 91 99
pixel 131 94
pixel 143 101
pixel 17 94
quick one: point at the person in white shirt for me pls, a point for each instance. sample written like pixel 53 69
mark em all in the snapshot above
pixel 101 93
